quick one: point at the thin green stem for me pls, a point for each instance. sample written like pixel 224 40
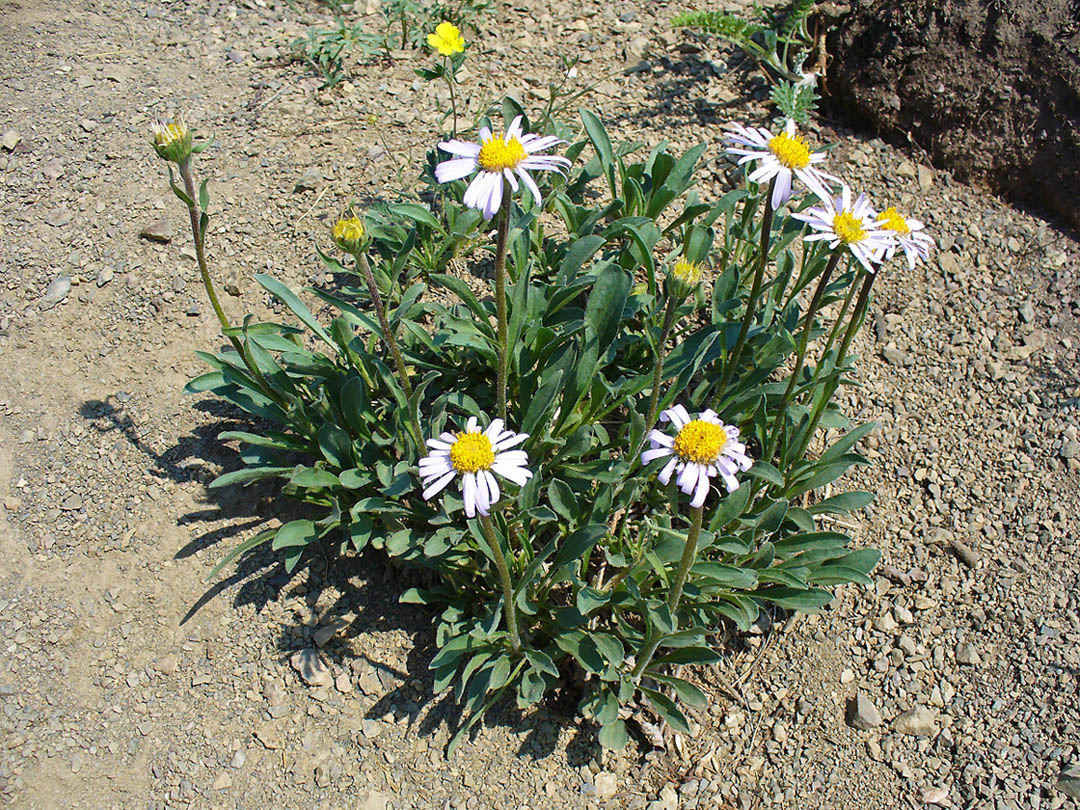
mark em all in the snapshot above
pixel 199 236
pixel 450 81
pixel 658 371
pixel 689 554
pixel 755 291
pixel 500 296
pixel 504 579
pixel 391 342
pixel 200 252
pixel 852 329
pixel 800 359
pixel 675 596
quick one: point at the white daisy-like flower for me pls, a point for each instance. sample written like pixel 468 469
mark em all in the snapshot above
pixel 499 157
pixel 779 156
pixel 908 234
pixel 851 224
pixel 701 449
pixel 476 456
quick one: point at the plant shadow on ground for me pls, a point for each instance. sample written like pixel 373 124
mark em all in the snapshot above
pixel 364 590
pixel 676 95
pixel 358 590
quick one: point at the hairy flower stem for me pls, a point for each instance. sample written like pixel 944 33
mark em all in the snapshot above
pixel 200 252
pixel 450 81
pixel 391 342
pixel 199 236
pixel 800 359
pixel 841 355
pixel 755 291
pixel 658 371
pixel 688 557
pixel 500 296
pixel 504 579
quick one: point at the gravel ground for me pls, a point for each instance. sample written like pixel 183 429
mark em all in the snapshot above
pixel 129 681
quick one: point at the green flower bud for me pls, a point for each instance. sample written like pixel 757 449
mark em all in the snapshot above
pixel 348 234
pixel 172 140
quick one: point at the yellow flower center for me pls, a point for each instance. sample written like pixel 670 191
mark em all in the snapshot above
pixel 891 219
pixel 471 452
pixel 847 228
pixel 170 133
pixel 687 272
pixel 790 150
pixel 348 230
pixel 700 441
pixel 496 154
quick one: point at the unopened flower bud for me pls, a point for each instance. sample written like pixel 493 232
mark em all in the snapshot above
pixel 685 275
pixel 172 140
pixel 348 234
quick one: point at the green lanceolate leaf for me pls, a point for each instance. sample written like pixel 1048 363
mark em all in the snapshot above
pixel 604 309
pixel 289 299
pixel 667 709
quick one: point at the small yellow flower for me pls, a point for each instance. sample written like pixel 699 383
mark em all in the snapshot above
pixel 348 234
pixel 172 139
pixel 447 39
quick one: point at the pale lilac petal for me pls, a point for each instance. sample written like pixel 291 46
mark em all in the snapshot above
pixel 450 170
pixel 439 485
pixel 492 485
pixel 468 492
pixel 782 190
pixel 462 148
pixel 651 455
pixel 511 472
pixel 494 429
pixel 511 179
pixel 513 131
pixel 700 492
pixel 683 417
pixel 507 442
pixel 516 457
pixel 435 444
pixel 730 482
pixel 665 474
pixel 494 200
pixel 530 184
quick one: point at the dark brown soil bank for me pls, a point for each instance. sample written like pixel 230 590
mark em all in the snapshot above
pixel 989 88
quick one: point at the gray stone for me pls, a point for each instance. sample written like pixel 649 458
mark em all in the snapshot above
pixel 926 178
pixel 606 784
pixel 311 668
pixel 371 728
pixel 1069 781
pixel 59 217
pixel 862 714
pixel 104 276
pixel 1070 449
pixel 53 170
pixel 268 52
pixel 11 140
pixel 239 758
pixel 159 230
pixel 309 181
pixel 969 556
pixel 372 800
pixel 57 291
pixel 896 357
pixel 87 125
pixel 1027 312
pixel 916 722
pixel 967 654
